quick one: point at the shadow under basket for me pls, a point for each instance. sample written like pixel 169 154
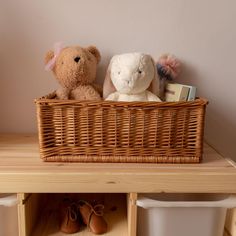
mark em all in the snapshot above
pixel 107 131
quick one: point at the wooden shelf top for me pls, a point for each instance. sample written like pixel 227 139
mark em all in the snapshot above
pixel 22 170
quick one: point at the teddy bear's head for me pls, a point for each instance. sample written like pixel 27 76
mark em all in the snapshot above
pixel 131 73
pixel 75 65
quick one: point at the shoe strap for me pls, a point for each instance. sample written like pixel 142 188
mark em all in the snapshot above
pixel 71 213
pixel 96 210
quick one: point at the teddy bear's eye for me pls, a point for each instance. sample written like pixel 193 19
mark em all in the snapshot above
pixel 77 59
pixel 139 71
pixel 118 72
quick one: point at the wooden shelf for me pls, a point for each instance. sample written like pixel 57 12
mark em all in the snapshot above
pixel 22 170
pixel 115 214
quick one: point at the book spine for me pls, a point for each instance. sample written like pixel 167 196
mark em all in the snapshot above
pixel 192 93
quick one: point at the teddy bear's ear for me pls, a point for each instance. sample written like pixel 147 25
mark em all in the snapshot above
pixel 108 86
pixel 155 84
pixel 49 55
pixel 95 52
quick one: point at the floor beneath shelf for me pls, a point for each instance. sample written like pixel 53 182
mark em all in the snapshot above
pixel 115 214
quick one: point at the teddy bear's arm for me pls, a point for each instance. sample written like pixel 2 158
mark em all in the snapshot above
pixel 152 97
pixel 85 92
pixel 113 97
pixel 63 93
pixel 98 88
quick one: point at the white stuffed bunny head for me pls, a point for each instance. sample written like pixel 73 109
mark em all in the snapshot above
pixel 129 76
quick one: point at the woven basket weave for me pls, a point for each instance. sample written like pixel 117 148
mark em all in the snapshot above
pixel 105 131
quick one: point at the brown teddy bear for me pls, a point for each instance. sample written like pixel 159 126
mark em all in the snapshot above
pixel 75 69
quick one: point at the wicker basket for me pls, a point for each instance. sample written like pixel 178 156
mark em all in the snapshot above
pixel 105 131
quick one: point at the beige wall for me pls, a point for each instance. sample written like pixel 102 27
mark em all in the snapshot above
pixel 201 33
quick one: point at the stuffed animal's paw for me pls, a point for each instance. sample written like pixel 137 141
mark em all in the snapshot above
pixel 63 94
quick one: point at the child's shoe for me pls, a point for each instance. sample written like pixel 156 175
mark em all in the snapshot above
pixel 69 222
pixel 93 217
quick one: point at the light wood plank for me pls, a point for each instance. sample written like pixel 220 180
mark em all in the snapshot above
pixel 21 215
pixel 132 213
pixel 25 147
pixel 28 207
pixel 21 170
pixel 230 223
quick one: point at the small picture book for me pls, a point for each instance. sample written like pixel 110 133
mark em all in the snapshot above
pixel 179 92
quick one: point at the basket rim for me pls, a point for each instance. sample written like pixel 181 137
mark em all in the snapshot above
pixel 51 100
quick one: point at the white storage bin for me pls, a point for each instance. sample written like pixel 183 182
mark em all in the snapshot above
pixel 8 215
pixel 183 214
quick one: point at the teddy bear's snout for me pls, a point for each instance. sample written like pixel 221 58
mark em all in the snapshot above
pixel 131 83
pixel 77 59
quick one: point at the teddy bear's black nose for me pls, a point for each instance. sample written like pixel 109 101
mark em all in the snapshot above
pixel 77 59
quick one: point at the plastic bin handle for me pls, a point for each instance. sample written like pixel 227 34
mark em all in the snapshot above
pixel 228 202
pixel 9 200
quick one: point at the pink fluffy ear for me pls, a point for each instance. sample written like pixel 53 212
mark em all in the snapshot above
pixel 155 84
pixel 108 86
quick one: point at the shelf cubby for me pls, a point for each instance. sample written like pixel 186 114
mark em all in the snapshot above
pixel 40 213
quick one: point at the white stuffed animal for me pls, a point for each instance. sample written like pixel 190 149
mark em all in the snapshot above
pixel 131 77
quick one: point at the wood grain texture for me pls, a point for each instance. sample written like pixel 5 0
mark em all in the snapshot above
pixel 230 223
pixel 28 208
pixel 22 170
pixel 132 213
pixel 21 215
